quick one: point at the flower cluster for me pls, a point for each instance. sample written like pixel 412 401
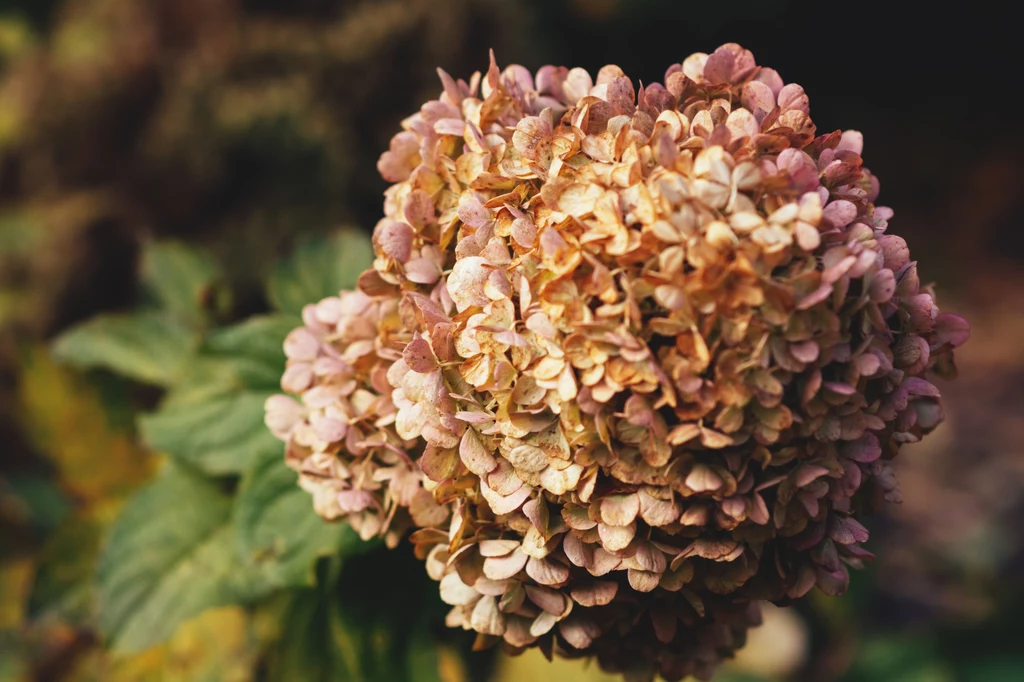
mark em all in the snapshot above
pixel 632 361
pixel 342 438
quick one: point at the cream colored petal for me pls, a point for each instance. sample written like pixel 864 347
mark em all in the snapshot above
pixel 456 592
pixel 486 617
pixel 616 538
pixel 505 567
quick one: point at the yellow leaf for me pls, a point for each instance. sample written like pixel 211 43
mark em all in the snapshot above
pixel 533 666
pixel 15 581
pixel 450 666
pixel 216 646
pixel 69 425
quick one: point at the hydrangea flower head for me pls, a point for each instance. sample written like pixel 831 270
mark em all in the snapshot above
pixel 631 360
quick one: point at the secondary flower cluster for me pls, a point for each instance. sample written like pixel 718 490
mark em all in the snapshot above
pixel 632 361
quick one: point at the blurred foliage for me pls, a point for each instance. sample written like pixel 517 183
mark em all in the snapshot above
pixel 237 124
pixel 157 160
pixel 215 568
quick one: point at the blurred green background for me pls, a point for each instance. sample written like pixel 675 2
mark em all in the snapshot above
pixel 191 171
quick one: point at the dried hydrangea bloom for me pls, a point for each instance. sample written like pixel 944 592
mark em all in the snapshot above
pixel 656 348
pixel 341 435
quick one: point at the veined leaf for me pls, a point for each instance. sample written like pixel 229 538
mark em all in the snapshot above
pixel 319 268
pixel 168 558
pixel 150 347
pixel 278 531
pixel 172 554
pixel 221 434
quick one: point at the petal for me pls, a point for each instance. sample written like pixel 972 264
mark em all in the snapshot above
pixel 505 567
pixel 474 455
pixel 395 240
pixel 703 478
pixel 528 458
pixel 466 282
pixel 596 593
pixel 487 618
pixel 302 345
pixel 496 548
pixel 951 329
pixel 456 592
pixel 559 482
pixel 616 538
pixel 852 140
pixel 620 510
pixel 546 571
pixel 643 581
pixel 505 504
pixel 578 632
pixel 419 356
pixel 549 600
pixel 792 97
pixel 864 450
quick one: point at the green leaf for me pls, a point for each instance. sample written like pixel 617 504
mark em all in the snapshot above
pixel 180 278
pixel 220 434
pixel 149 347
pixel 314 647
pixel 13 666
pixel 387 607
pixel 213 419
pixel 319 268
pixel 254 349
pixel 172 554
pixel 167 559
pixel 372 625
pixel 31 501
pixel 278 531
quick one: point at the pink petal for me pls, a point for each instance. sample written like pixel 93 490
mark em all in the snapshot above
pixel 719 66
pixel 419 356
pixel 846 530
pixel 771 78
pixel 395 240
pixel 597 593
pixel 894 250
pixel 864 450
pixel 422 271
pixel 840 213
pixel 951 329
pixel 547 572
pixel 757 95
pixel 450 126
pixel 792 97
pixel 301 344
pixel 505 567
